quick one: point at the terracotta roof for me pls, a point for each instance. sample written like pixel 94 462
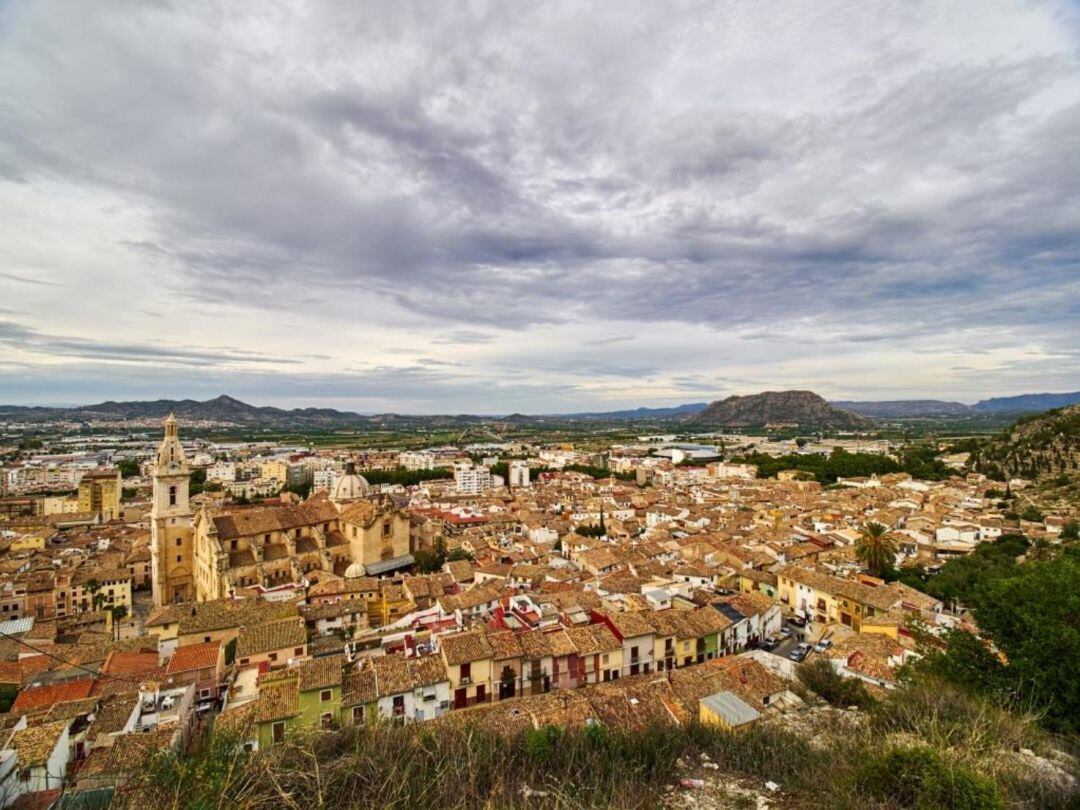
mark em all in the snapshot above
pixel 262 638
pixel 504 645
pixel 392 675
pixel 112 715
pixel 593 639
pixel 321 673
pixel 632 623
pixel 131 664
pixel 358 687
pixel 463 648
pixel 220 614
pixel 195 656
pixel 39 697
pixel 278 699
pixel 33 745
pixel 249 522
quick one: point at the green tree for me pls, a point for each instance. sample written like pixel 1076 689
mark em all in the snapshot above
pixel 128 467
pixel 1031 616
pixel 430 560
pixel 1031 513
pixel 1071 531
pixel 119 613
pixel 875 548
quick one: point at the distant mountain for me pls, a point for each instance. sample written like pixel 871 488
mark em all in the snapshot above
pixel 1028 403
pixel 900 408
pixel 673 412
pixel 220 409
pixel 804 408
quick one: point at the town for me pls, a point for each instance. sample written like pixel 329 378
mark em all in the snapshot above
pixel 186 584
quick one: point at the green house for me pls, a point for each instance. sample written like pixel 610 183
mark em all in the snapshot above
pixel 320 691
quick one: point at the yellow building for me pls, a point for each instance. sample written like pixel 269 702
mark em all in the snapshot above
pixel 34 541
pixel 727 710
pixel 468 659
pixel 827 599
pixel 99 491
pixel 59 505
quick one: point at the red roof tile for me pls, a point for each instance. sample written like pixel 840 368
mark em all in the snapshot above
pixel 42 697
pixel 194 656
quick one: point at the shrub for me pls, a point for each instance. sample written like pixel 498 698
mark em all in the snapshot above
pixel 540 743
pixel 917 777
pixel 820 678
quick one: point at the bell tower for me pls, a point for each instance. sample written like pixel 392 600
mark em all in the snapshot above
pixel 171 545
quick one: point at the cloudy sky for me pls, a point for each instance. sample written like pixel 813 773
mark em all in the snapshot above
pixel 539 207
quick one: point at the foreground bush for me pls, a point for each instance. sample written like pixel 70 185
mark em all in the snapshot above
pixel 924 745
pixel 919 778
pixel 820 678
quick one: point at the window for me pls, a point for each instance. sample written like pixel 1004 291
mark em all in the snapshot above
pixel 179 558
pixel 298 651
pixel 325 695
pixel 279 731
pixel 387 529
pixel 466 670
pixel 273 656
pixel 358 715
pixel 172 495
pixel 327 720
pixel 179 541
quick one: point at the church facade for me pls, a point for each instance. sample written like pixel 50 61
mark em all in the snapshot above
pixel 215 554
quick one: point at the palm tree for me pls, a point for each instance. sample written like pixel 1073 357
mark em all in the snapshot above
pixel 875 548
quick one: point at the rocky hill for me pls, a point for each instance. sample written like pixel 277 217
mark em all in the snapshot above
pixel 803 408
pixel 1040 447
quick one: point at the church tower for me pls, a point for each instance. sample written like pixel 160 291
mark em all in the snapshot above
pixel 171 546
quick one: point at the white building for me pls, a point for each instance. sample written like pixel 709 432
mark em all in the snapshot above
pixel 418 460
pixel 519 474
pixel 471 479
pixel 221 471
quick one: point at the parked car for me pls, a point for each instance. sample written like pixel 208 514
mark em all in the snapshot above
pixel 799 653
pixel 823 645
pixel 786 632
pixel 770 644
pixel 798 621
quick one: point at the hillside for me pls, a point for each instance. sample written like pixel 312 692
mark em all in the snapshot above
pixel 1047 445
pixel 1028 403
pixel 220 409
pixel 901 408
pixel 803 408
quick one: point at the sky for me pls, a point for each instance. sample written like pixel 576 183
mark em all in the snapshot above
pixel 502 206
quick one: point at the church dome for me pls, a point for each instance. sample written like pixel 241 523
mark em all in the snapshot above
pixel 355 570
pixel 350 486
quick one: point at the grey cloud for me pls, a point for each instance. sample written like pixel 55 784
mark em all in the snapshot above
pixel 17 336
pixel 28 280
pixel 463 337
pixel 518 166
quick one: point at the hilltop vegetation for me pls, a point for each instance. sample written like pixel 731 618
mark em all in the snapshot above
pixel 1046 445
pixel 917 460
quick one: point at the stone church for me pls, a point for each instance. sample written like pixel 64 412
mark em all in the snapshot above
pixel 218 553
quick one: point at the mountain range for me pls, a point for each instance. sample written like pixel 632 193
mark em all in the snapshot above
pixel 798 407
pixel 901 408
